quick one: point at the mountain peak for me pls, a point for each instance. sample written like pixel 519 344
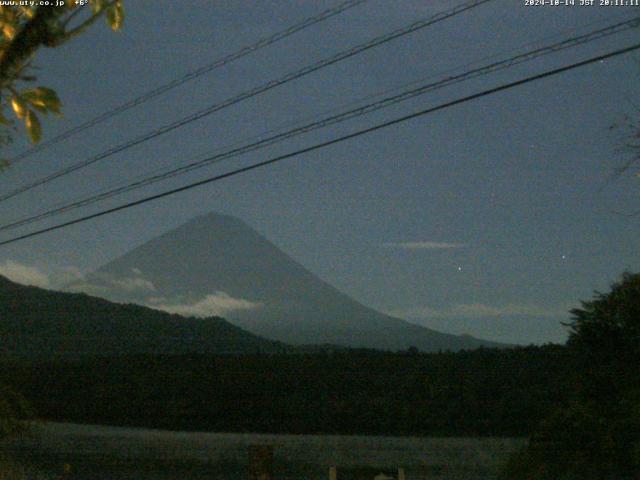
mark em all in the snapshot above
pixel 217 218
pixel 216 264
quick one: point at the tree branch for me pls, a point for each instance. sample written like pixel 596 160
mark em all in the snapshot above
pixel 82 27
pixel 36 32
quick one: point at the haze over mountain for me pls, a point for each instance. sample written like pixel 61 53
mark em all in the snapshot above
pixel 38 322
pixel 217 265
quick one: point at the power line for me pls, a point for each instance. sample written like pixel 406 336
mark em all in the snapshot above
pixel 325 144
pixel 333 119
pixel 145 97
pixel 250 93
pixel 379 94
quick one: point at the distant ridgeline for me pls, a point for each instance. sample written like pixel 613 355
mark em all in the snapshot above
pixel 44 323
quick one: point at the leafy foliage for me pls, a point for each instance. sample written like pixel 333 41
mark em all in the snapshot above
pixel 596 435
pixel 609 322
pixel 23 30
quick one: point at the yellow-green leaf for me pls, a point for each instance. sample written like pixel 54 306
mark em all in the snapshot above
pixel 9 31
pixel 47 93
pixel 33 98
pixel 33 126
pixel 40 107
pixel 98 5
pixel 50 99
pixel 18 106
pixel 42 99
pixel 115 16
pixel 28 12
pixel 8 14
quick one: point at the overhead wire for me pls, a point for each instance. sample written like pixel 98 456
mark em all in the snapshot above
pixel 192 75
pixel 333 110
pixel 327 143
pixel 333 119
pixel 338 57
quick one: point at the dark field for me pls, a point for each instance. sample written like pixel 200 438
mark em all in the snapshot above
pixel 101 453
pixel 489 393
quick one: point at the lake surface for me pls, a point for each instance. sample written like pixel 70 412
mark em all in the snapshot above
pixel 114 453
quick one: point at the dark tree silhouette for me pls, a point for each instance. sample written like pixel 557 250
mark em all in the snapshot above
pixel 596 435
pixel 610 321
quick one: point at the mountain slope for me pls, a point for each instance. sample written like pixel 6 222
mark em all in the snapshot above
pixel 219 262
pixel 34 321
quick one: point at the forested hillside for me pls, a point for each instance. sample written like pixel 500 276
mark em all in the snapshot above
pixel 482 392
pixel 38 322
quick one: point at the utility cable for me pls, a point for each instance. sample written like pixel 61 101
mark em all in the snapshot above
pixel 145 97
pixel 248 94
pixel 331 120
pixel 325 144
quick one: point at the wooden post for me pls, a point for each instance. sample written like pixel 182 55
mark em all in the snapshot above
pixel 333 473
pixel 261 462
pixel 400 473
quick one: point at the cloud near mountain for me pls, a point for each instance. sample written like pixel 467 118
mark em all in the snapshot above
pixel 218 265
pixel 217 304
pixel 24 274
pixel 103 284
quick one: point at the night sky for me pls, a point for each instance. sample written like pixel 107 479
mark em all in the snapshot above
pixel 492 218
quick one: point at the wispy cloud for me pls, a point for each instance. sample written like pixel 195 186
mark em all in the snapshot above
pixel 88 288
pixel 216 304
pixel 103 283
pixel 479 310
pixel 56 278
pixel 424 245
pixel 24 274
pixel 134 284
